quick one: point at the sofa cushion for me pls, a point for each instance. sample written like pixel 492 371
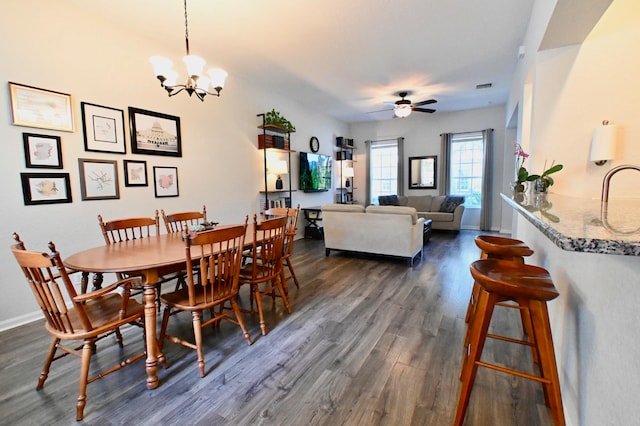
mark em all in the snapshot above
pixel 388 200
pixel 353 208
pixel 421 203
pixel 438 216
pixel 394 210
pixel 450 203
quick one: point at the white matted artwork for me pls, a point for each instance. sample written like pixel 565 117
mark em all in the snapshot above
pixel 103 128
pixel 46 109
pixel 42 151
pixel 165 181
pixel 154 133
pixel 98 179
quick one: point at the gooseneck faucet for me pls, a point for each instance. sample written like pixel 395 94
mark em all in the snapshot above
pixel 607 179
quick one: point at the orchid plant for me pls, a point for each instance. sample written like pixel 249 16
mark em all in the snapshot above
pixel 524 176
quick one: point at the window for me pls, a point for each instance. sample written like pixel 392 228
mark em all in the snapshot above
pixel 466 163
pixel 383 169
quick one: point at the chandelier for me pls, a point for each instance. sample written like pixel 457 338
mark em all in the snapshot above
pixel 197 82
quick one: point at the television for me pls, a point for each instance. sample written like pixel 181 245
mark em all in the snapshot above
pixel 315 172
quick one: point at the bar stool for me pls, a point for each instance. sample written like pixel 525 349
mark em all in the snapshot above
pixel 530 287
pixel 494 247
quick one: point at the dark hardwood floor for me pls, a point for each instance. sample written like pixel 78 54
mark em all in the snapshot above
pixel 370 341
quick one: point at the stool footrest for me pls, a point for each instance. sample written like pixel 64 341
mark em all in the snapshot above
pixel 510 339
pixel 514 372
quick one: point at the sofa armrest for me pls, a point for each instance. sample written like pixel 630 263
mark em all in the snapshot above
pixel 457 214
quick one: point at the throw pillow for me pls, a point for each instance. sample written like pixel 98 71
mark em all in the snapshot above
pixel 388 200
pixel 450 203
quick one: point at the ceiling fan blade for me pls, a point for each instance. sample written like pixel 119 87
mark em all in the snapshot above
pixel 429 110
pixel 427 102
pixel 380 110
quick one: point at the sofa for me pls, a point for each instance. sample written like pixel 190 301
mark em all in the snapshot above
pixel 381 230
pixel 445 211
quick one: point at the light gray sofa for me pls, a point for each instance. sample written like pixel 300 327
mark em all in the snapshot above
pixel 428 207
pixel 385 230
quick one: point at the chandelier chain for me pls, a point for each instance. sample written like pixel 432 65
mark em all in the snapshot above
pixel 186 27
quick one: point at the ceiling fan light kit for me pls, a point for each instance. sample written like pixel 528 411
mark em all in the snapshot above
pixel 404 107
pixel 197 82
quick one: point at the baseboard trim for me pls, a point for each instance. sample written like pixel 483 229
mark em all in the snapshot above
pixel 21 320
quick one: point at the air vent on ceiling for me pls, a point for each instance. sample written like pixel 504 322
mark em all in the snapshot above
pixel 484 86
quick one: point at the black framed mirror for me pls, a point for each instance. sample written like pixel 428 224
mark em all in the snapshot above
pixel 423 172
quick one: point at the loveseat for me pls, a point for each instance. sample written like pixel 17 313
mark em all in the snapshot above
pixel 384 230
pixel 444 210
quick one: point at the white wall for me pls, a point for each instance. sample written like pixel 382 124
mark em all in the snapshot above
pixel 221 165
pixel 422 137
pixel 595 319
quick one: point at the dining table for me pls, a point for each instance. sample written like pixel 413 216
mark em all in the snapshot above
pixel 151 258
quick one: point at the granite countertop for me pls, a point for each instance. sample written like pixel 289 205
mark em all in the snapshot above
pixel 583 224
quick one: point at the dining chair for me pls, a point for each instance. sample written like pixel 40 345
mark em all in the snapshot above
pixel 265 269
pixel 175 222
pixel 292 226
pixel 86 317
pixel 218 254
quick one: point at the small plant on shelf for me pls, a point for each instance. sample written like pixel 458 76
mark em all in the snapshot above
pixel 274 118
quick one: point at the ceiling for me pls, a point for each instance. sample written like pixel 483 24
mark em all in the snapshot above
pixel 344 58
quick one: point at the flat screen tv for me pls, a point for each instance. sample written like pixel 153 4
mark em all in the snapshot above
pixel 315 172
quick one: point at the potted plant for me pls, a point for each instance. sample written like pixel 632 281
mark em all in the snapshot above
pixel 544 181
pixel 274 118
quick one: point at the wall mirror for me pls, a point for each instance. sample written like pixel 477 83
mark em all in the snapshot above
pixel 423 172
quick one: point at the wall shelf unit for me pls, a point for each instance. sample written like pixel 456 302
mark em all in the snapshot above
pixel 345 171
pixel 274 141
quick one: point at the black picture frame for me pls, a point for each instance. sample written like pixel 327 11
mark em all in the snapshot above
pixel 135 173
pixel 154 133
pixel 42 151
pixel 46 188
pixel 165 181
pixel 103 128
pixel 423 172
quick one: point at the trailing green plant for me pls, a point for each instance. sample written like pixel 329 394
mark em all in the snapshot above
pixel 273 117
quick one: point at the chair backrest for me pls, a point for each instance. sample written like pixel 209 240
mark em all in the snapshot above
pixel 292 223
pixel 268 247
pixel 218 254
pixel 176 222
pixel 51 285
pixel 116 231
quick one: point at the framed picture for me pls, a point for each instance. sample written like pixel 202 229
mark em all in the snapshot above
pixel 135 173
pixel 98 179
pixel 103 128
pixel 165 181
pixel 154 133
pixel 42 151
pixel 33 107
pixel 45 188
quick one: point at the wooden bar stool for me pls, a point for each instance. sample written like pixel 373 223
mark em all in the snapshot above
pixel 530 287
pixel 494 247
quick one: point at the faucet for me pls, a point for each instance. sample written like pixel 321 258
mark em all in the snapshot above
pixel 607 178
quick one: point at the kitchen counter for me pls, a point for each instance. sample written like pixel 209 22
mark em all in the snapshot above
pixel 582 224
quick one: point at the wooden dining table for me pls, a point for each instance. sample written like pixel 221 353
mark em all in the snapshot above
pixel 151 258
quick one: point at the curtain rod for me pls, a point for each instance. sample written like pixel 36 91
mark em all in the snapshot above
pixel 467 133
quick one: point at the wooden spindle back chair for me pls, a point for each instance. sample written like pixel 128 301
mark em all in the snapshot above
pixel 218 255
pixel 86 317
pixel 119 230
pixel 176 222
pixel 266 268
pixel 292 227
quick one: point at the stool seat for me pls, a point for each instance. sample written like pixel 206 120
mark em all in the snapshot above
pixel 531 288
pixel 501 247
pixel 514 280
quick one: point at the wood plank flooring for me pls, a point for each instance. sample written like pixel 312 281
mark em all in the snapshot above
pixel 370 342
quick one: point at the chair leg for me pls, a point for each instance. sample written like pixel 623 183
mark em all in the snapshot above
pixel 238 314
pixel 84 374
pixel 197 332
pixel 256 295
pixel 163 328
pixel 281 286
pixel 47 363
pixel 119 338
pixel 293 274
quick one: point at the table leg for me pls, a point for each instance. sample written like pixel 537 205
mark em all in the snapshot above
pixel 153 351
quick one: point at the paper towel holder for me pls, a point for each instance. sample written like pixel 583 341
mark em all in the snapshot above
pixel 603 144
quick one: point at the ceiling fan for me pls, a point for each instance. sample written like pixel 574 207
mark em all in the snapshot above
pixel 404 107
